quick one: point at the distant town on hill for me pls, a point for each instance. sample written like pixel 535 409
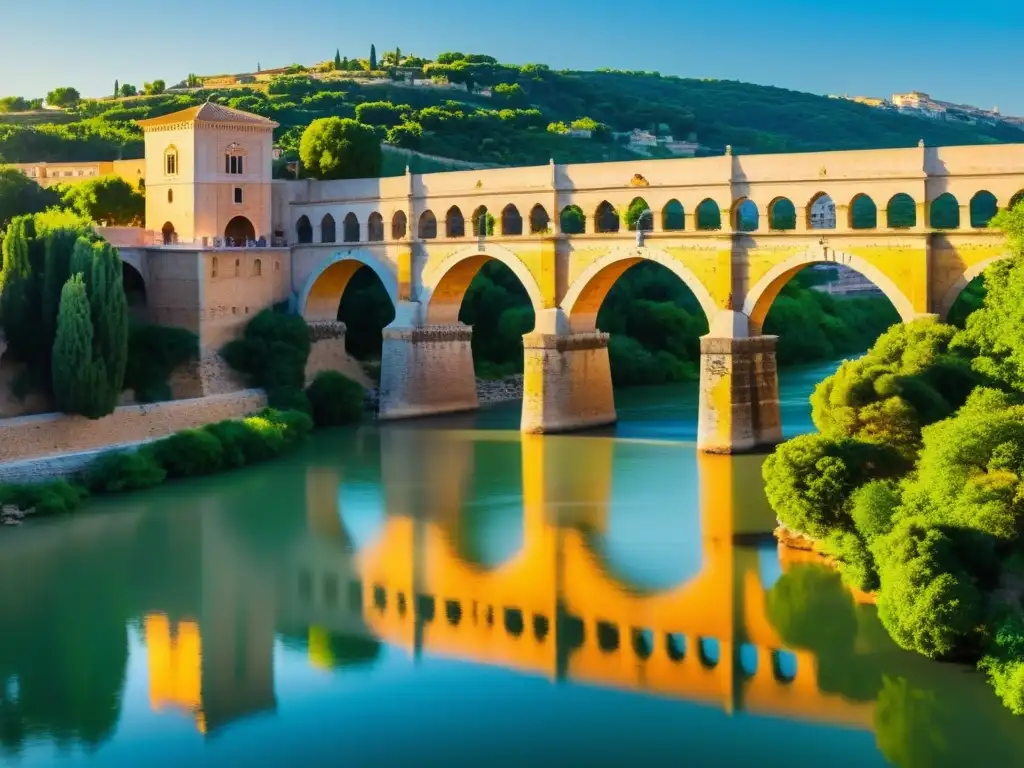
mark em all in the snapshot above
pixel 469 110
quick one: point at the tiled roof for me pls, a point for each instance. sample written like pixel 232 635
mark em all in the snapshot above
pixel 209 113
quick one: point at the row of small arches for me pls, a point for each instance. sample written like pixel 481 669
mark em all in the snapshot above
pixel 900 213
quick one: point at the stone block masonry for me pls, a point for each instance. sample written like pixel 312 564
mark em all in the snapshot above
pixel 53 434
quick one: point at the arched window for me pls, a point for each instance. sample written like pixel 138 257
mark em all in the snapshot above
pixel 901 212
pixel 639 216
pixel 709 215
pixel 375 228
pixel 428 226
pixel 983 208
pixel 351 226
pixel 234 160
pixel 821 212
pixel 944 212
pixel 398 225
pixel 540 222
pixel 572 221
pixel 170 195
pixel 257 268
pixel 863 213
pixel 304 230
pixel 328 230
pixel 673 217
pixel 454 224
pixel 511 221
pixel 606 218
pixel 745 216
pixel 781 214
pixel 169 235
pixel 171 161
pixel 482 222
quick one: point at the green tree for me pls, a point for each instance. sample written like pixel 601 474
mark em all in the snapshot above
pixel 64 97
pixel 107 200
pixel 61 245
pixel 155 88
pixel 20 195
pixel 337 58
pixel 109 307
pixel 373 59
pixel 128 90
pixel 340 148
pixel 79 381
pixel 117 88
pixel 510 94
pixel 382 113
pixel 406 135
pixel 16 298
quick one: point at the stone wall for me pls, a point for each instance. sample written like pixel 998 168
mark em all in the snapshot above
pixel 51 434
pixel 327 353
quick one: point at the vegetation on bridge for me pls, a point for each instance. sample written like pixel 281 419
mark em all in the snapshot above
pixel 914 483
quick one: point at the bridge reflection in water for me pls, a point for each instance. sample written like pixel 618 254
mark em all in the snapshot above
pixel 557 606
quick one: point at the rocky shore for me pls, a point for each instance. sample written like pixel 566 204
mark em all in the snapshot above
pixel 487 390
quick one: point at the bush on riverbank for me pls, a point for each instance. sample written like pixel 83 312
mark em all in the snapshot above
pixel 335 399
pixel 935 527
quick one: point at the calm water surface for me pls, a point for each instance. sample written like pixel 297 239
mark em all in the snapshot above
pixel 451 593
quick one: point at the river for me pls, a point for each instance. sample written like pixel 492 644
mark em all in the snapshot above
pixel 452 593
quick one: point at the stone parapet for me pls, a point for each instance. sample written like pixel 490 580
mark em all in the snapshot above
pixel 739 395
pixel 427 370
pixel 567 382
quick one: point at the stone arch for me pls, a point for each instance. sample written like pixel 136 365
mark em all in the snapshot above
pixel 428 225
pixel 375 228
pixel 781 214
pixel 951 295
pixel 673 216
pixel 540 222
pixel 821 212
pixel 480 217
pixel 240 230
pixel 709 215
pixel 572 220
pixel 321 293
pixel 863 212
pixel 745 216
pixel 304 230
pixel 1017 198
pixel 760 297
pixel 134 285
pixel 445 286
pixel 900 212
pixel 983 207
pixel 328 229
pixel 454 223
pixel 350 228
pixel 944 212
pixel 511 221
pixel 399 225
pixel 587 293
pixel 644 216
pixel 784 666
pixel 606 218
pixel 168 234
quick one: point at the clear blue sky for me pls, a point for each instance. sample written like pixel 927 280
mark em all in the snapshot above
pixel 956 50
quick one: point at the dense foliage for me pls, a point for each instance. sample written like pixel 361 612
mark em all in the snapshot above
pixel 340 148
pixel 154 352
pixel 914 485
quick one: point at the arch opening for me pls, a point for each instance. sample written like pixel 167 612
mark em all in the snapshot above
pixel 540 222
pixel 984 207
pixel 901 212
pixel 643 643
pixel 454 224
pixel 482 222
pixel 453 612
pixel 168 233
pixel 490 531
pixel 514 623
pixel 607 636
pixel 375 228
pixel 304 230
pixel 745 215
pixel 709 215
pixel 428 226
pixel 328 229
pixel 821 212
pixel 781 214
pixel 863 212
pixel 784 666
pixel 970 296
pixel 572 220
pixel 134 290
pixel 1016 200
pixel 606 218
pixel 639 216
pixel 675 646
pixel 748 660
pixel 944 212
pixel 350 228
pixel 511 221
pixel 709 652
pixel 399 225
pixel 541 627
pixel 673 217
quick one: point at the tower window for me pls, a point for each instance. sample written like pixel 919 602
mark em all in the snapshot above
pixel 170 195
pixel 233 165
pixel 238 194
pixel 171 161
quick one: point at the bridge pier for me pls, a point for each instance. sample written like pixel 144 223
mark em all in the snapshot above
pixel 567 378
pixel 739 390
pixel 425 369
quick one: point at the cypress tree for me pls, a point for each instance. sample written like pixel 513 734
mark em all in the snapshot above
pixel 15 290
pixel 109 319
pixel 56 270
pixel 117 88
pixel 337 59
pixel 78 378
pixel 373 59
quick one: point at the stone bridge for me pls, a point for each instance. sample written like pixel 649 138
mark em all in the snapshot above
pixel 735 229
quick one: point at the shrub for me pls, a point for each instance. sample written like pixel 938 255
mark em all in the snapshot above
pixel 853 558
pixel 335 399
pixel 154 351
pixel 50 498
pixel 872 507
pixel 289 399
pixel 234 437
pixel 1004 662
pixel 189 453
pixel 125 471
pixel 266 439
pixel 272 352
pixel 295 425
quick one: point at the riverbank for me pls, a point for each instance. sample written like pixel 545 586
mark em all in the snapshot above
pixel 503 390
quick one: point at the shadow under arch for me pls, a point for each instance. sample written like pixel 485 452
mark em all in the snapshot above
pixel 760 297
pixel 587 293
pixel 322 291
pixel 445 286
pixel 965 279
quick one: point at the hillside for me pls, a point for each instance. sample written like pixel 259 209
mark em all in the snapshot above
pixel 522 118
